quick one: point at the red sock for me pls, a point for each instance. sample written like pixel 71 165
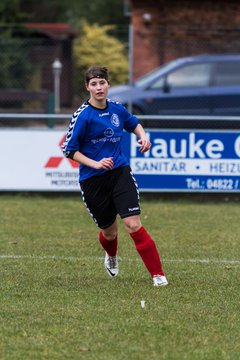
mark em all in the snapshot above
pixel 110 246
pixel 148 251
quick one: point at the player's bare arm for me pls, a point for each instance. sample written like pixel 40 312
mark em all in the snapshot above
pixel 143 139
pixel 105 163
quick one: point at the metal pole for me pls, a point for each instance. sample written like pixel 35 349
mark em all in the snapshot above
pixel 130 66
pixel 57 68
pixel 57 92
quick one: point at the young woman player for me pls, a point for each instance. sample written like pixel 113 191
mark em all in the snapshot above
pixel 94 140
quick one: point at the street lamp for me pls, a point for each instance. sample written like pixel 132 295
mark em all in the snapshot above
pixel 57 69
pixel 147 18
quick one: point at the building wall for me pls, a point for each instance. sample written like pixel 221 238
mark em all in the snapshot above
pixel 182 28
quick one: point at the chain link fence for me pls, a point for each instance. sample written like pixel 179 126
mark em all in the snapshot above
pixel 172 42
pixel 27 79
pixel 200 89
pixel 27 76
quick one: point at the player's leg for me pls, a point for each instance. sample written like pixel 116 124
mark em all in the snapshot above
pixel 109 240
pixel 144 245
pixel 96 194
pixel 126 196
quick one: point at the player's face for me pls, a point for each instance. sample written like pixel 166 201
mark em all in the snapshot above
pixel 98 88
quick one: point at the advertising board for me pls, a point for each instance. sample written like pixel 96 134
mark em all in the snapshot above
pixel 32 160
pixel 187 160
pixel 179 160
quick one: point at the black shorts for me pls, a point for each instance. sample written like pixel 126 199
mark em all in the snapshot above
pixel 114 192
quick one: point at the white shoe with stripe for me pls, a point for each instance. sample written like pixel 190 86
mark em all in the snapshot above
pixel 111 265
pixel 159 280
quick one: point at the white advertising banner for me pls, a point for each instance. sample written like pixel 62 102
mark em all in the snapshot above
pixel 32 160
pixel 179 160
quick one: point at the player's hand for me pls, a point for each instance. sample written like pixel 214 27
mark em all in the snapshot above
pixel 105 163
pixel 145 145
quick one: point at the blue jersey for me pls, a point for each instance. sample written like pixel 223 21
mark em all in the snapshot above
pixel 98 133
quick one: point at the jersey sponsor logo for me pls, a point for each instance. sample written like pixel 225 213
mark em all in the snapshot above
pixel 133 209
pixel 104 114
pixel 108 132
pixel 115 120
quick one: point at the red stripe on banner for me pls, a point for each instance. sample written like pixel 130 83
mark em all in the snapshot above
pixel 54 162
pixel 73 163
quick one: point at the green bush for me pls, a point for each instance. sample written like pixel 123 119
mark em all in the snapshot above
pixel 96 47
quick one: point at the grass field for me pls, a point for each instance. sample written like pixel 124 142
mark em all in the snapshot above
pixel 57 301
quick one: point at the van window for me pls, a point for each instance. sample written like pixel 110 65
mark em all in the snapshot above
pixel 227 73
pixel 195 75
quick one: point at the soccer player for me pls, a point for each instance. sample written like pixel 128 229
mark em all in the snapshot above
pixel 108 187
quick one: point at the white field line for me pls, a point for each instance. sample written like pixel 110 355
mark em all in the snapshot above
pixel 75 258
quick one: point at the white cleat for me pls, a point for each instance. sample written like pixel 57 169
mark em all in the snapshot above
pixel 111 265
pixel 159 280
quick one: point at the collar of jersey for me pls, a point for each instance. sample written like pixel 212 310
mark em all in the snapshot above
pixel 94 107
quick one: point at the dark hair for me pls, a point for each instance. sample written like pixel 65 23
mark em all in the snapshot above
pixel 100 72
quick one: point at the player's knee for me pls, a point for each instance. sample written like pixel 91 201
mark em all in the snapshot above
pixel 110 235
pixel 132 224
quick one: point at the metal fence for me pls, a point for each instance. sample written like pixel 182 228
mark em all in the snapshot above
pixel 26 74
pixel 148 121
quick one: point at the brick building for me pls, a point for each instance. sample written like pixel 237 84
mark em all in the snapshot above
pixel 167 29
